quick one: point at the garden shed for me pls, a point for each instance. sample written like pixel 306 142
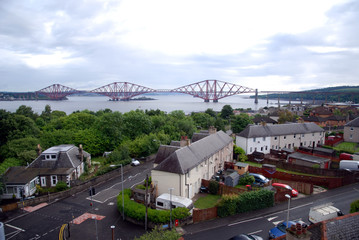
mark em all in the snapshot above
pixel 231 179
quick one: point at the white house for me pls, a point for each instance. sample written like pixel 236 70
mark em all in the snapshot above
pixel 183 168
pixel 263 138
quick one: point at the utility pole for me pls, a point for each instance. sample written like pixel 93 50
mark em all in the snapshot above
pixel 171 207
pixel 146 202
pixel 123 199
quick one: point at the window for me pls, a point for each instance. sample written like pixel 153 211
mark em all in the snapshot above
pixel 254 139
pixel 261 149
pixel 275 138
pixel 351 129
pixel 305 143
pixel 272 146
pixel 53 156
pixel 294 135
pixel 313 134
pixel 32 184
pixel 266 147
pixel 302 135
pixel 53 180
pixel 160 204
pixel 351 136
pixel 264 138
pixel 320 134
pixel 250 149
pixel 43 181
pixel 285 137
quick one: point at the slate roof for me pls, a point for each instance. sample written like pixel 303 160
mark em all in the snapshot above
pixel 19 175
pixel 187 158
pixel 67 157
pixel 259 119
pixel 164 151
pixel 344 227
pixel 252 131
pixel 241 164
pixel 353 123
pixel 199 136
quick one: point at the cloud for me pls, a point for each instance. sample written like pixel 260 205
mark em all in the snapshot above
pixel 269 45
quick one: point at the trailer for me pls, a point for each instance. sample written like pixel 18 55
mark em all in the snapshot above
pixel 163 202
pixel 349 165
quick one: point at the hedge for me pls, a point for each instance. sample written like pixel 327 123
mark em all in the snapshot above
pixel 137 211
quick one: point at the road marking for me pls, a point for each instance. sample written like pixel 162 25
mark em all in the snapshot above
pixel 86 216
pixel 272 218
pixel 255 232
pixel 302 205
pixel 17 228
pixel 277 222
pixel 249 220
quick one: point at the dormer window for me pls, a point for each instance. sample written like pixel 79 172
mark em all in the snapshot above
pixel 50 157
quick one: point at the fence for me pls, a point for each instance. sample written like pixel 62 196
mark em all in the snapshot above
pixel 204 214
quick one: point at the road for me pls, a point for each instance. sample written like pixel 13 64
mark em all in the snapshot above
pixel 45 223
pixel 261 221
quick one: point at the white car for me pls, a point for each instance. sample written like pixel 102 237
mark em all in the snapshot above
pixel 135 162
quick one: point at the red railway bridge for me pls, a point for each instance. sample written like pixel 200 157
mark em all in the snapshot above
pixel 208 90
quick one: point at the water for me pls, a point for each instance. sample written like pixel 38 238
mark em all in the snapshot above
pixel 167 103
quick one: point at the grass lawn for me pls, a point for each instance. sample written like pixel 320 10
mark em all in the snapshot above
pixel 347 147
pixel 207 202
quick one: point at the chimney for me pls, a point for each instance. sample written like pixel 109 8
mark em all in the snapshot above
pixel 212 130
pixel 185 141
pixel 298 231
pixel 188 141
pixel 38 150
pixel 81 153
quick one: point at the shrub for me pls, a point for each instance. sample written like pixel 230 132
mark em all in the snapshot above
pixel 213 187
pixel 246 180
pixel 159 234
pixel 354 206
pixel 61 186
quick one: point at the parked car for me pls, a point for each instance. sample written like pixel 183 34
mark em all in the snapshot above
pixel 286 186
pixel 135 162
pixel 279 230
pixel 259 179
pixel 246 237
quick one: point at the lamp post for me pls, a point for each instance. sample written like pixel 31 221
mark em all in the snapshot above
pixel 123 200
pixel 287 196
pixel 96 226
pixel 113 232
pixel 171 207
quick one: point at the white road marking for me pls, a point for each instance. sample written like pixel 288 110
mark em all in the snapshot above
pixel 277 222
pixel 255 232
pixel 272 218
pixel 20 229
pixel 249 220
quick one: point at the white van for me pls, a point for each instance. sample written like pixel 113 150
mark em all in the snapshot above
pixel 323 212
pixel 163 202
pixel 349 164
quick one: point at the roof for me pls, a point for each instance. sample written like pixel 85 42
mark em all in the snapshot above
pixel 344 227
pixel 308 158
pixel 240 164
pixel 67 156
pixel 184 159
pixel 199 136
pixel 175 198
pixel 259 119
pixel 164 151
pixel 353 123
pixel 252 131
pixel 19 175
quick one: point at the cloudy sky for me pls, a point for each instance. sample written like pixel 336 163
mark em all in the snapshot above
pixel 165 44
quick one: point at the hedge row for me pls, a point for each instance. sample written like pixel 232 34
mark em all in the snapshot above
pixel 137 211
pixel 245 202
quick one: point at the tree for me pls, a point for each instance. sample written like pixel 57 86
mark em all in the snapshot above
pixel 203 120
pixel 27 112
pixel 211 112
pixel 159 234
pixel 136 123
pixel 285 116
pixel 227 112
pixel 354 206
pixel 240 122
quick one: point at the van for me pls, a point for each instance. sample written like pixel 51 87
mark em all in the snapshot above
pixel 163 202
pixel 323 212
pixel 349 164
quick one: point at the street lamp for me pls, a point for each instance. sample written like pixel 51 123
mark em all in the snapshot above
pixel 287 196
pixel 171 207
pixel 113 232
pixel 93 217
pixel 123 199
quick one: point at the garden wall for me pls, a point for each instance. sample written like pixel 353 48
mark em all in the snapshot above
pixel 200 215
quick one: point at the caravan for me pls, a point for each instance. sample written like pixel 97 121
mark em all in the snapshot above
pixel 163 202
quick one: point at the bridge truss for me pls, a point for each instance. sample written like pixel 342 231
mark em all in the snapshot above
pixel 122 90
pixel 213 90
pixel 57 91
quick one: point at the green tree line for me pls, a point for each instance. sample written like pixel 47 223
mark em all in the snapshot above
pixel 132 134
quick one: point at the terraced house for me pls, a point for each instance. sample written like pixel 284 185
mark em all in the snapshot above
pixel 263 138
pixel 182 167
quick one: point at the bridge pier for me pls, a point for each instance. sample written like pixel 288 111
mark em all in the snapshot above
pixel 206 100
pixel 256 97
pixel 215 100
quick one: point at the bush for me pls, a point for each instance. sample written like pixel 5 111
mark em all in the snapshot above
pixel 213 187
pixel 245 202
pixel 354 206
pixel 159 234
pixel 61 186
pixel 246 180
pixel 137 211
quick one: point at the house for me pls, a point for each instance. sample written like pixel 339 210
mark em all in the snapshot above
pixel 59 163
pixel 183 168
pixel 351 131
pixel 263 120
pixel 257 138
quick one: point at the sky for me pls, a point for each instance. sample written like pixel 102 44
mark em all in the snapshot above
pixel 269 45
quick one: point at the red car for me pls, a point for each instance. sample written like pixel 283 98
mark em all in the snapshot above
pixel 286 186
